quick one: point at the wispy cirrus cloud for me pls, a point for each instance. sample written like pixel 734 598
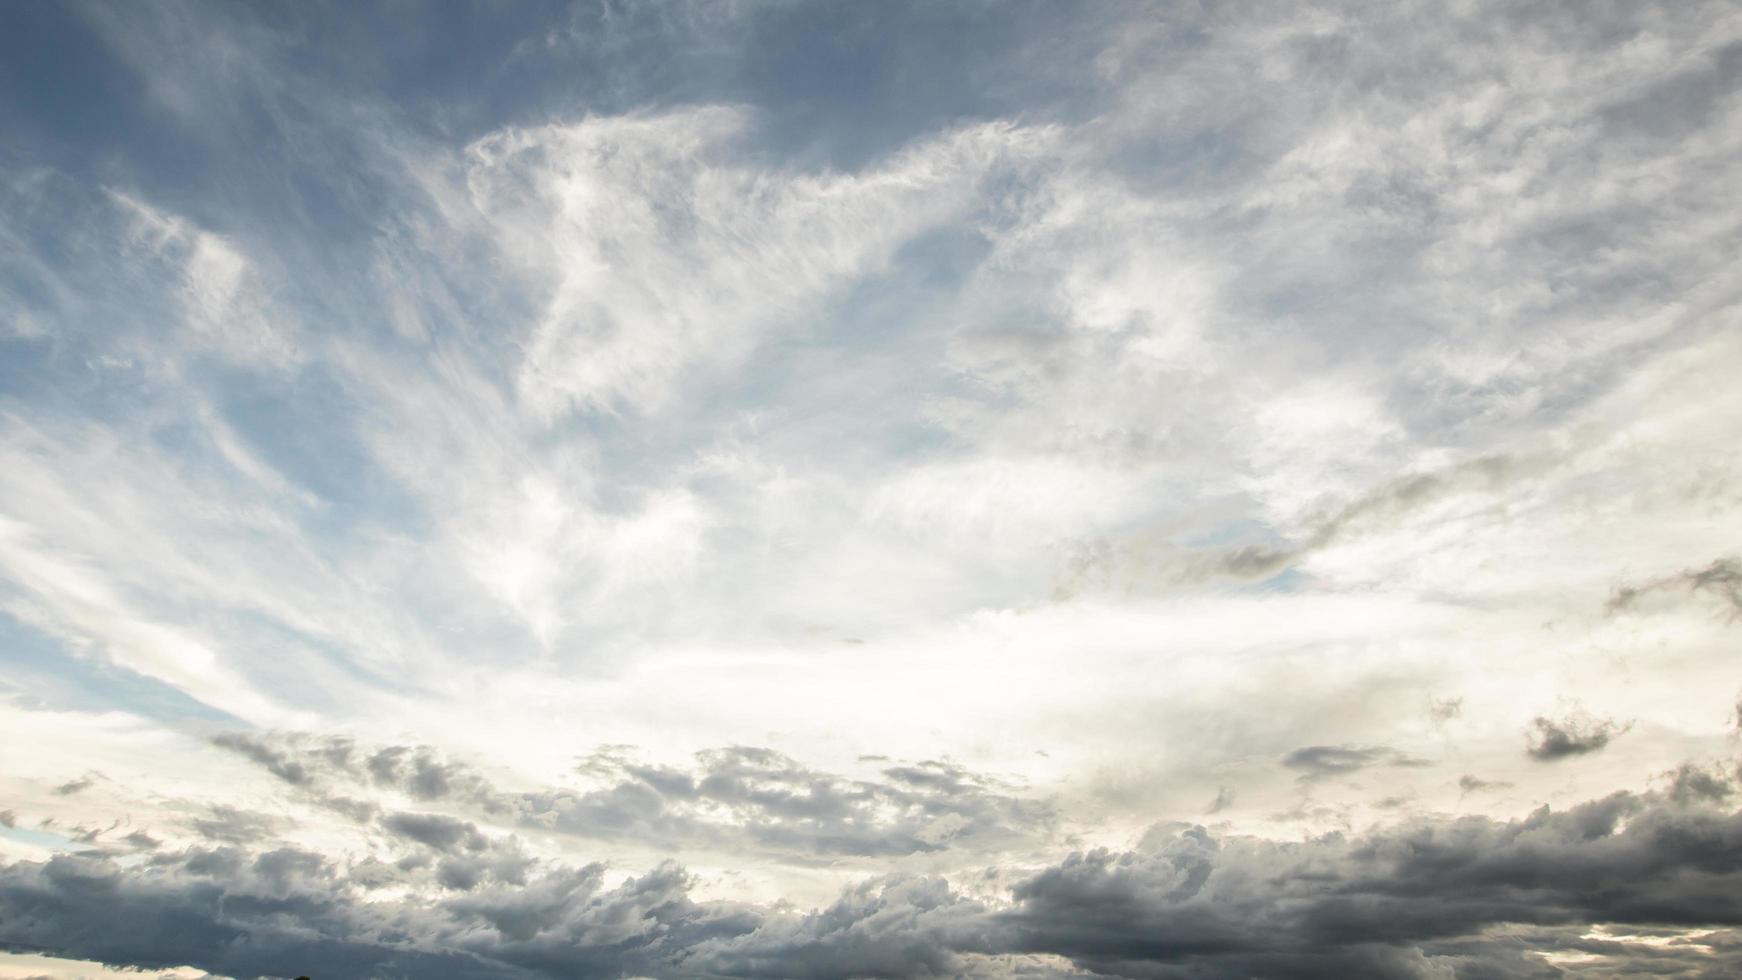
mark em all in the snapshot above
pixel 1125 417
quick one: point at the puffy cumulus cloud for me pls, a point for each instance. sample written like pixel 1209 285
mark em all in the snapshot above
pixel 1619 882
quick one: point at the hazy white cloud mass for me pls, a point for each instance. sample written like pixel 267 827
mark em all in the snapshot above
pixel 794 489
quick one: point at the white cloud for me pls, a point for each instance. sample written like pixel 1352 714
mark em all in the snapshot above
pixel 656 249
pixel 1291 373
pixel 225 303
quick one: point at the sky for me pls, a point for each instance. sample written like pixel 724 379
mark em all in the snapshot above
pixel 765 488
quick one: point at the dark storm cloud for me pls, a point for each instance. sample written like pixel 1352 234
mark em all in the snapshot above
pixel 1550 739
pixel 1325 761
pixel 732 797
pixel 1375 905
pixel 1471 897
pixel 1722 579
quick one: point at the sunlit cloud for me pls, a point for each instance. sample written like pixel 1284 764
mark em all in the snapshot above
pixel 784 489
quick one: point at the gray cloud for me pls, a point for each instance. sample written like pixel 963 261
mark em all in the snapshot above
pixel 420 772
pixel 1377 904
pixel 738 797
pixel 230 825
pixel 1467 897
pixel 143 841
pixel 1381 508
pixel 1689 783
pixel 90 835
pixel 1721 579
pixel 433 830
pixel 1384 505
pixel 1224 799
pixel 760 798
pixel 1470 784
pixel 1325 761
pixel 302 761
pixel 268 757
pixel 1446 710
pixel 1551 739
pixel 1486 228
pixel 74 786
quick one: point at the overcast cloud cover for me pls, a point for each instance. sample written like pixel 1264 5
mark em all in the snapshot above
pixel 787 489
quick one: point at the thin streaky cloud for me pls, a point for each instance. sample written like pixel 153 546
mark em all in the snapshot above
pixel 788 489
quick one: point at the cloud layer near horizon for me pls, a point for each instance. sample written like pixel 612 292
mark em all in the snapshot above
pixel 788 489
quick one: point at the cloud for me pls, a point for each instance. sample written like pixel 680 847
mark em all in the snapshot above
pixel 1552 739
pixel 433 830
pixel 1446 709
pixel 143 841
pixel 1689 783
pixel 1325 761
pixel 736 797
pixel 1374 512
pixel 1199 393
pixel 1470 784
pixel 654 245
pixel 1224 799
pixel 1721 579
pixel 74 786
pixel 230 825
pixel 1388 899
pixel 268 757
pixel 1426 895
pixel 223 300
